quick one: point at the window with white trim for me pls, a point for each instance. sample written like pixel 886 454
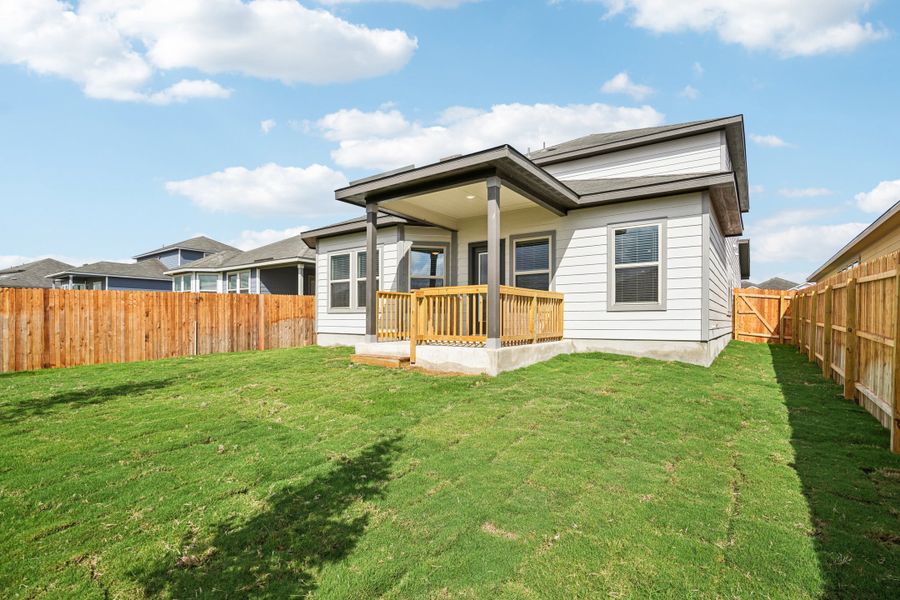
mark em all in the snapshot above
pixel 208 282
pixel 339 281
pixel 361 276
pixel 239 282
pixel 637 277
pixel 183 283
pixel 427 267
pixel 531 263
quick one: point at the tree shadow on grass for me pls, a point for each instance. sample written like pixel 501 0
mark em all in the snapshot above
pixel 850 479
pixel 14 412
pixel 276 553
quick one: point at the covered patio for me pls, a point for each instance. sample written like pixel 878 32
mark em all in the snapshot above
pixel 430 307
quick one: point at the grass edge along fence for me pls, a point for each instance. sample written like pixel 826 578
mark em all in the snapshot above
pixel 49 328
pixel 849 325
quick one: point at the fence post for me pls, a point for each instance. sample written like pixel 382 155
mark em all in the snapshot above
pixel 261 323
pixel 895 403
pixel 413 326
pixel 797 324
pixel 850 342
pixel 813 315
pixel 826 334
pixel 780 318
pixel 533 319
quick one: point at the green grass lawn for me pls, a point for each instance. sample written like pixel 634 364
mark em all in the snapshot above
pixel 291 473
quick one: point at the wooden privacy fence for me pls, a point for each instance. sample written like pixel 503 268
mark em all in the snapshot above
pixel 849 324
pixel 762 316
pixel 42 328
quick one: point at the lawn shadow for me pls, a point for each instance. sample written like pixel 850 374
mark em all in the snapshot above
pixel 850 479
pixel 18 411
pixel 276 553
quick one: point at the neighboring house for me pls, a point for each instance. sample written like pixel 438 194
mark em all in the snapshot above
pixel 284 267
pixel 185 252
pixel 31 275
pixel 774 283
pixel 147 275
pixel 637 231
pixel 880 238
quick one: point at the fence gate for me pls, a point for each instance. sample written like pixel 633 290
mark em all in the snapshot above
pixel 762 316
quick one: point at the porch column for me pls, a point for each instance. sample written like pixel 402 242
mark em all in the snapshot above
pixel 371 269
pixel 493 252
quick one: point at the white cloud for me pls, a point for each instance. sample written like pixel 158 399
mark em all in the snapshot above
pixel 812 244
pixel 789 27
pixel 187 89
pixel 810 192
pixel 267 125
pixel 621 83
pixel 757 189
pixel 269 189
pixel 689 92
pixel 698 69
pixel 420 3
pixel 114 48
pixel 771 141
pixel 881 198
pixel 254 238
pixel 383 140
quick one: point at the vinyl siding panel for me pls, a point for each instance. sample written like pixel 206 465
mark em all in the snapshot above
pixel 353 323
pixel 127 284
pixel 696 154
pixel 724 276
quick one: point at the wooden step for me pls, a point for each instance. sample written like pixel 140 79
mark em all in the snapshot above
pixel 391 362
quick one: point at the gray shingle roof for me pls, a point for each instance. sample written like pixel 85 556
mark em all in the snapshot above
pixel 31 275
pixel 290 248
pixel 145 269
pixel 776 283
pixel 201 243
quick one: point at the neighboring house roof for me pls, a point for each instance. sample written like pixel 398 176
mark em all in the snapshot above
pixel 145 269
pixel 748 284
pixel 776 283
pixel 312 236
pixel 292 249
pixel 201 243
pixel 31 275
pixel 887 222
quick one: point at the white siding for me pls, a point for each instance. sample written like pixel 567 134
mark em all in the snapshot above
pixel 724 276
pixel 580 269
pixel 581 266
pixel 696 154
pixel 351 322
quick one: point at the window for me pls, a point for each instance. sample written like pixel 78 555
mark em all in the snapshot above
pixel 427 267
pixel 636 278
pixel 361 277
pixel 239 283
pixel 183 283
pixel 531 263
pixel 339 290
pixel 347 280
pixel 208 282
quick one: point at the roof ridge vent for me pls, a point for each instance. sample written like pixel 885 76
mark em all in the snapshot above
pixel 451 157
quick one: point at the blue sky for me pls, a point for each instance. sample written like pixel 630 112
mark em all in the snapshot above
pixel 128 124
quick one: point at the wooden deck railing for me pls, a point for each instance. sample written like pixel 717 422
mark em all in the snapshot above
pixel 457 316
pixel 393 315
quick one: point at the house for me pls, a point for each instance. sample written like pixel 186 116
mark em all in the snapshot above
pixel 147 273
pixel 878 239
pixel 623 242
pixel 31 275
pixel 185 251
pixel 284 267
pixel 773 283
